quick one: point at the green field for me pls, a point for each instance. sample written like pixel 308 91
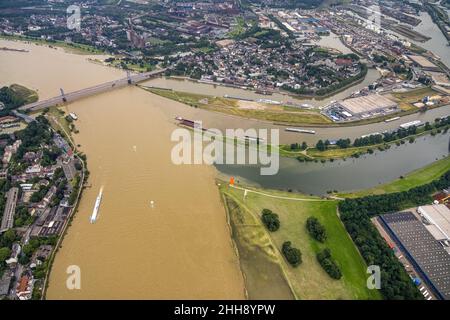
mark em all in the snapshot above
pixel 60 121
pixel 28 95
pixel 337 153
pixel 309 280
pixel 416 178
pixel 258 257
pixel 137 67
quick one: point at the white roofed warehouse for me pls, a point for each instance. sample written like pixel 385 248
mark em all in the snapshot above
pixel 370 104
pixel 361 107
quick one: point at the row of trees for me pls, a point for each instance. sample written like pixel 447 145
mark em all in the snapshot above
pixel 292 254
pixel 356 214
pixel 6 240
pixel 296 146
pixel 318 232
pixel 385 137
pixel 341 143
pixel 328 264
pixel 272 222
pixel 316 229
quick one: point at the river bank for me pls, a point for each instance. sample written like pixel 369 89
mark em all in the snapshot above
pixel 245 204
pixel 68 222
pixel 184 85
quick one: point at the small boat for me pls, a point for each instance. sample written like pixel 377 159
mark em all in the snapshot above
pixel 298 130
pixel 97 206
pixel 249 138
pixel 392 119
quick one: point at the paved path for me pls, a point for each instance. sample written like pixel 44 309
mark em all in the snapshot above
pixel 279 197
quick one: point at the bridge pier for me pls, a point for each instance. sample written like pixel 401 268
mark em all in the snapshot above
pixel 129 77
pixel 63 96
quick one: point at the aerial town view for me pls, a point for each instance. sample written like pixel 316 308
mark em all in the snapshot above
pixel 225 150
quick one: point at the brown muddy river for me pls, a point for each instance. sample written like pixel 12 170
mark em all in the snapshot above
pixel 181 247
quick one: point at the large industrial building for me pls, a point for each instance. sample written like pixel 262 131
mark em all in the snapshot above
pixel 424 244
pixel 368 104
pixel 361 107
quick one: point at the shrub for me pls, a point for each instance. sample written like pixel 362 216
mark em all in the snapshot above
pixel 316 229
pixel 292 255
pixel 270 220
pixel 328 264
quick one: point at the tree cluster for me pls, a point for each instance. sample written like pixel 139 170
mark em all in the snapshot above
pixel 292 254
pixel 328 264
pixel 316 229
pixel 385 137
pixel 270 220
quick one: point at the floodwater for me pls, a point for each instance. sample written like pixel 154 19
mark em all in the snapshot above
pixel 48 70
pixel 179 248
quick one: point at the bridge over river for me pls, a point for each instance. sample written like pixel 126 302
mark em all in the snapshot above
pixel 75 95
